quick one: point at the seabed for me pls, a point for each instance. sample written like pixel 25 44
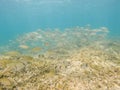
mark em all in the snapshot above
pixel 79 58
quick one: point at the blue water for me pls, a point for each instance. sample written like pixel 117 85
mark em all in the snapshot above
pixel 21 16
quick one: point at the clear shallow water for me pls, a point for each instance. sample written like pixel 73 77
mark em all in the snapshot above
pixel 59 44
pixel 21 16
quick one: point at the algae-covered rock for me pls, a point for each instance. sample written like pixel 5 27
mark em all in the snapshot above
pixel 5 82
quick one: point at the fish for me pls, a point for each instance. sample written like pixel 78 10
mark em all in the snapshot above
pixel 36 49
pixel 12 53
pixel 23 46
pixel 46 44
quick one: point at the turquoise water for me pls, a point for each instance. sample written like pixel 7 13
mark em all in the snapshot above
pixel 22 16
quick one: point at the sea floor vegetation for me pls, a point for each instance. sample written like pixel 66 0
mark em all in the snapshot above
pixel 78 58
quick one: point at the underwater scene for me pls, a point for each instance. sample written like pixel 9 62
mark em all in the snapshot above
pixel 59 45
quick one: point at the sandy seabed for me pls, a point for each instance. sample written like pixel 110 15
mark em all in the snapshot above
pixel 93 66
